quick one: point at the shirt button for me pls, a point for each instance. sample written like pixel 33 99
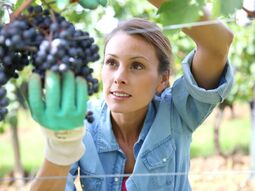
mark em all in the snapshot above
pixel 116 179
pixel 82 185
pixel 164 159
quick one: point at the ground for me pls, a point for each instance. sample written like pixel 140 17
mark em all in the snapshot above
pixel 217 173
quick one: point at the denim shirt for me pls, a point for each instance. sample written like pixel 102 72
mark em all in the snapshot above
pixel 162 151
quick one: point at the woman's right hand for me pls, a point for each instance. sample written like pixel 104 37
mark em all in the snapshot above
pixel 61 105
pixel 60 109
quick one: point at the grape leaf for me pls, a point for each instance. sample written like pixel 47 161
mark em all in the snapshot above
pixel 179 12
pixel 225 7
pixel 1 15
pixel 216 8
pixel 229 6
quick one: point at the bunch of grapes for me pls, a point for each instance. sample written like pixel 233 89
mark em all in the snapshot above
pixel 48 41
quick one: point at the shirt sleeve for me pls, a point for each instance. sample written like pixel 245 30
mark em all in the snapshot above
pixel 70 186
pixel 194 103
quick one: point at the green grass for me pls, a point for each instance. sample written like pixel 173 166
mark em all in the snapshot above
pixel 234 134
pixel 31 147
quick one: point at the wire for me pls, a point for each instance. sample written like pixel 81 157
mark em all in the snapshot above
pixel 204 173
pixel 183 25
pixel 173 27
pixel 199 23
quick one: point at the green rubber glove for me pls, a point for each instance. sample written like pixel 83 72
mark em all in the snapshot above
pixel 103 2
pixel 92 4
pixel 62 106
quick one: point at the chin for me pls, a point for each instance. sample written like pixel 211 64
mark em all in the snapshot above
pixel 119 109
pixel 125 109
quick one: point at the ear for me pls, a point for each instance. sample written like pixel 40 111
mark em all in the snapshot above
pixel 164 81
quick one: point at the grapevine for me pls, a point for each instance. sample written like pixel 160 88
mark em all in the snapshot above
pixel 48 41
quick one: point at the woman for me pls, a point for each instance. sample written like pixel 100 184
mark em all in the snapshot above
pixel 140 138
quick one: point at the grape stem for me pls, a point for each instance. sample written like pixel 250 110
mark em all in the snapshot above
pixel 80 38
pixel 52 17
pixel 249 13
pixel 23 6
pixel 29 48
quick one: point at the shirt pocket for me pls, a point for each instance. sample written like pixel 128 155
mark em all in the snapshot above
pixel 89 182
pixel 160 160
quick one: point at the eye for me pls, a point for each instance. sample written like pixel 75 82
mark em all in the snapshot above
pixel 111 62
pixel 137 66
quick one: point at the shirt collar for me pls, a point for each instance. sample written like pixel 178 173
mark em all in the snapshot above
pixel 150 116
pixel 106 140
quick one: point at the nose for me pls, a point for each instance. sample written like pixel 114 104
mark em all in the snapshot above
pixel 120 76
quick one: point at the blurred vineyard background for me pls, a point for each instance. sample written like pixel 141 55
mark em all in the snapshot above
pixel 223 148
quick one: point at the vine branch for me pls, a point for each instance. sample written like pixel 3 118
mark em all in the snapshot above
pixel 249 13
pixel 23 6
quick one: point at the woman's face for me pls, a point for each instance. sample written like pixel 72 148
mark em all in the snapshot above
pixel 130 73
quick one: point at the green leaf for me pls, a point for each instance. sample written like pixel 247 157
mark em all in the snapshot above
pixel 216 8
pixel 229 6
pixel 1 15
pixel 179 12
pixel 225 7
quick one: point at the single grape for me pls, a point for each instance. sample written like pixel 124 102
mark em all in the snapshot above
pixel 4 102
pixel 2 92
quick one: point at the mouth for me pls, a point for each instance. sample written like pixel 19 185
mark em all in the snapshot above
pixel 120 94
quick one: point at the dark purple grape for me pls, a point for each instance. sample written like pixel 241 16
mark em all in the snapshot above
pixel 2 92
pixel 89 117
pixel 54 27
pixel 7 61
pixel 2 39
pixel 3 111
pixel 65 34
pixel 4 102
pixel 29 34
pixel 50 59
pixel 3 78
pixel 34 37
pixel 30 9
pixel 38 9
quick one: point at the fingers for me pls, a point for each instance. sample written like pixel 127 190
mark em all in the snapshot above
pixel 81 95
pixel 71 94
pixel 52 92
pixel 68 92
pixel 35 101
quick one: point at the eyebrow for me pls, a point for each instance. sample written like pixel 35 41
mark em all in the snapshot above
pixel 135 57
